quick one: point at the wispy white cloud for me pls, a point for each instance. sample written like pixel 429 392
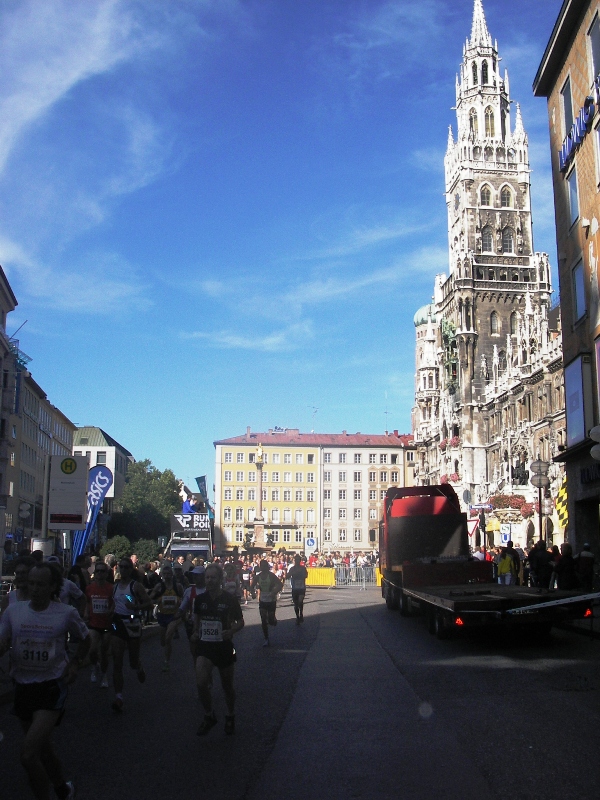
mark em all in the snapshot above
pixel 100 285
pixel 289 338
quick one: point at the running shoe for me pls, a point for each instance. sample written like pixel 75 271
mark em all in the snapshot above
pixel 165 666
pixel 266 643
pixel 71 786
pixel 117 704
pixel 94 675
pixel 229 725
pixel 141 675
pixel 104 682
pixel 208 722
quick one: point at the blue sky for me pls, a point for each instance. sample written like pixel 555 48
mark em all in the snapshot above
pixel 218 213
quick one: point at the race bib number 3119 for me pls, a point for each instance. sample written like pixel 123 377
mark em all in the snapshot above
pixel 34 653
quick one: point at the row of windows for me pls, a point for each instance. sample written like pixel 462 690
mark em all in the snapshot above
pixel 27 482
pixel 357 535
pixel 484 72
pixel 342 458
pixel 496 324
pixel 275 515
pixel 327 513
pixel 383 477
pixel 275 458
pixel 357 494
pixel 506 197
pixel 275 477
pixel 299 495
pixel 286 536
pixel 490 126
pixel 487 240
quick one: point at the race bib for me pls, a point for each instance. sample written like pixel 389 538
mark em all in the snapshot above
pixel 169 603
pixel 100 605
pixel 212 630
pixel 133 627
pixel 35 653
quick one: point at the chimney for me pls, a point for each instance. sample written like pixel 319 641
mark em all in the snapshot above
pixel 396 433
pixel 248 430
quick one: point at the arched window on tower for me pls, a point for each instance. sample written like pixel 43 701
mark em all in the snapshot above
pixel 474 71
pixel 473 126
pixel 490 129
pixel 486 196
pixel 508 240
pixel 505 197
pixel 484 72
pixel 487 240
pixel 494 322
pixel 513 323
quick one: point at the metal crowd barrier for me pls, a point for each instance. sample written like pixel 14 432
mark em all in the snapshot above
pixel 355 577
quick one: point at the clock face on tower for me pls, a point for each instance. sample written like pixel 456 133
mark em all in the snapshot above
pixel 456 201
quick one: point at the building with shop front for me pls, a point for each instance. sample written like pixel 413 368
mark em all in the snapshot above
pixel 569 77
pixel 329 487
pixel 488 382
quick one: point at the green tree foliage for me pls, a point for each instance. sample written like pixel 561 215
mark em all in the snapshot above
pixel 146 550
pixel 148 500
pixel 119 546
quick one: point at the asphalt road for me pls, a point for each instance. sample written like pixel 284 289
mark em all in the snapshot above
pixel 356 703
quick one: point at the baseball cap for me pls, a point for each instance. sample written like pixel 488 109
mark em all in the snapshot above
pixel 53 560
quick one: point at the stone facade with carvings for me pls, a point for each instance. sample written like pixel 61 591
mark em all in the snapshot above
pixel 489 391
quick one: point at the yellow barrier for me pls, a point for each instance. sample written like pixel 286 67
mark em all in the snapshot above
pixel 377 577
pixel 321 576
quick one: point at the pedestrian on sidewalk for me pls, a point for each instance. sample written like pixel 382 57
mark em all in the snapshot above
pixel 298 576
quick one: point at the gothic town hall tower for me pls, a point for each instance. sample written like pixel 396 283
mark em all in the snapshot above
pixel 488 330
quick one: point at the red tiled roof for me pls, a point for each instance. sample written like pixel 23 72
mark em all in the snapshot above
pixel 292 436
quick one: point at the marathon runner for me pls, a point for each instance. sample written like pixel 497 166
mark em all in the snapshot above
pixel 20 590
pixel 186 609
pixel 269 587
pixel 169 594
pixel 298 575
pixel 36 633
pixel 99 617
pixel 130 600
pixel 217 616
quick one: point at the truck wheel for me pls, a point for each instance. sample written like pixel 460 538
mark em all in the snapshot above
pixel 441 630
pixel 405 605
pixel 391 599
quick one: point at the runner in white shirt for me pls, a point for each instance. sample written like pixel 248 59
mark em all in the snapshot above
pixel 35 632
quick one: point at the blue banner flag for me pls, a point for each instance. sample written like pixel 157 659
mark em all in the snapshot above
pixel 100 480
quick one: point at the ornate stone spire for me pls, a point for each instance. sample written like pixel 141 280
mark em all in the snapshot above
pixel 519 134
pixel 450 139
pixel 479 31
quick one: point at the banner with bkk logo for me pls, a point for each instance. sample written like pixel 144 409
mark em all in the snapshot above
pixel 100 479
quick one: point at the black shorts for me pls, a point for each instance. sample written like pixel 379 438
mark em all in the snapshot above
pixel 222 654
pixel 44 696
pixel 101 631
pixel 121 631
pixel 298 594
pixel 270 607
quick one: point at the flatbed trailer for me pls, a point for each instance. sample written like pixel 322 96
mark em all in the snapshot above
pixel 426 567
pixel 450 609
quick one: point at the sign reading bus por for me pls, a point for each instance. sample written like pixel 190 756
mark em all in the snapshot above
pixel 67 498
pixel 190 526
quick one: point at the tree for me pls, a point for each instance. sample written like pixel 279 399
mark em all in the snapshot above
pixel 119 546
pixel 148 500
pixel 146 549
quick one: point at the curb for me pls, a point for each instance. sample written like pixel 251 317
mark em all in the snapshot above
pixel 6 693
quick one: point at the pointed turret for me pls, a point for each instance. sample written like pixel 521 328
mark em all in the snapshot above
pixel 450 139
pixel 519 136
pixel 479 31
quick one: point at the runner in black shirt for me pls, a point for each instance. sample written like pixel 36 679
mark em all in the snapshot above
pixel 217 616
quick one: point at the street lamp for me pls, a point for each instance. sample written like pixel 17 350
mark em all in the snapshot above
pixel 540 480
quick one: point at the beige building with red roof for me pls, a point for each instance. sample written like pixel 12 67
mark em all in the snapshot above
pixel 326 486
